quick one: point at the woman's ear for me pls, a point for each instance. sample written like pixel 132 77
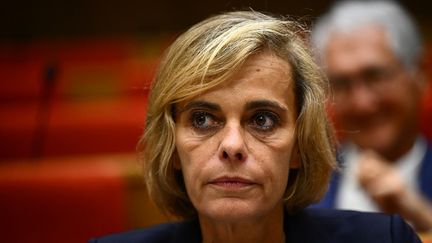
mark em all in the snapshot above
pixel 295 161
pixel 176 161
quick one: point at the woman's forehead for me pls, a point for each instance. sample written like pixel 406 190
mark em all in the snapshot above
pixel 262 77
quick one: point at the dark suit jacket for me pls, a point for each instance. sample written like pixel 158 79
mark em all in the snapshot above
pixel 309 225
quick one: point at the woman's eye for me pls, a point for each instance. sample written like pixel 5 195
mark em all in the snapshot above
pixel 203 120
pixel 264 121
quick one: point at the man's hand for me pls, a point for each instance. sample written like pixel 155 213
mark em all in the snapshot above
pixel 381 181
pixel 385 186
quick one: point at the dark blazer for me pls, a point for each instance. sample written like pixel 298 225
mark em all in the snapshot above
pixel 424 181
pixel 309 225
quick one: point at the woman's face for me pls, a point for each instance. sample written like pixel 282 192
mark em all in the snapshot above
pixel 236 142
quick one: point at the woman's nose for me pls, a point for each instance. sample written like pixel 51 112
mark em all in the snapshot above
pixel 233 146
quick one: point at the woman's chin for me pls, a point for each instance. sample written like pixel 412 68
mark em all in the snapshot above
pixel 231 210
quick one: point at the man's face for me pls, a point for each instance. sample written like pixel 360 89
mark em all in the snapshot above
pixel 376 98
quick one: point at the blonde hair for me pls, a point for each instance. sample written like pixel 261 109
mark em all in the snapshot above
pixel 204 57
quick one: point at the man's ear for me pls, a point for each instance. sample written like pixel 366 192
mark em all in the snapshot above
pixel 295 160
pixel 419 76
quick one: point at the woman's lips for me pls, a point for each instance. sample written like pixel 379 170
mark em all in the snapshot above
pixel 232 182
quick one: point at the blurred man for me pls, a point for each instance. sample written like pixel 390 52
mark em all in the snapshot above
pixel 371 52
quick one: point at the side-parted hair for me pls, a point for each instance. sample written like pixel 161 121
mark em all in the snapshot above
pixel 207 55
pixel 346 16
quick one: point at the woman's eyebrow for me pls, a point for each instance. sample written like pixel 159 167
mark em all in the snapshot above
pixel 265 104
pixel 201 105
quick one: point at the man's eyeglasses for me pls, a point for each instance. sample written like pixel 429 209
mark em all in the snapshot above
pixel 376 79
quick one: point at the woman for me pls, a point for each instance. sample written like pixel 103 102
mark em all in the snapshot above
pixel 237 142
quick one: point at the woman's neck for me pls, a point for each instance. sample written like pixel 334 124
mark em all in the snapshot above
pixel 261 229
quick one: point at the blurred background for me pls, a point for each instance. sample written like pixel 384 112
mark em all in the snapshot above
pixel 74 79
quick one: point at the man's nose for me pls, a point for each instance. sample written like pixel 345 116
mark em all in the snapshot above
pixel 362 98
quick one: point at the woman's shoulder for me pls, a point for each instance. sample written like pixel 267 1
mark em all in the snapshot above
pixel 330 225
pixel 185 231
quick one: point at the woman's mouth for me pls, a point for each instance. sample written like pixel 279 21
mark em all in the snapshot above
pixel 232 183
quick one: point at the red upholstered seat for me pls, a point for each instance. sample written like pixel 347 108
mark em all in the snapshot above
pixel 74 97
pixel 61 202
pixel 72 199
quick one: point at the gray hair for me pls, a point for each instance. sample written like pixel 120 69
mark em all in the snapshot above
pixel 346 16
